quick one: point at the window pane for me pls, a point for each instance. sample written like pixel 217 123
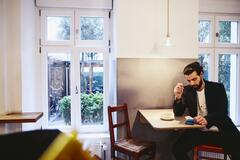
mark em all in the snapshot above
pixel 91 77
pixel 59 99
pixel 204 31
pixel 227 75
pixel 91 28
pixel 58 28
pixel 228 31
pixel 203 59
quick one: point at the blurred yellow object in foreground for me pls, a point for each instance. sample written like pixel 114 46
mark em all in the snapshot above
pixel 66 148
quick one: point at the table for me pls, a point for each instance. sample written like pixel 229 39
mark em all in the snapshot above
pixel 153 117
pixel 24 117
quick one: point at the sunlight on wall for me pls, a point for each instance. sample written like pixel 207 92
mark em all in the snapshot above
pixel 1 59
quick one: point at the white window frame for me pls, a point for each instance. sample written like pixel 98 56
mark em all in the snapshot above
pixel 233 112
pixel 44 62
pixel 212 28
pixel 75 47
pixel 97 4
pixel 214 48
pixel 94 128
pixel 209 51
pixel 227 18
pixel 91 43
pixel 56 12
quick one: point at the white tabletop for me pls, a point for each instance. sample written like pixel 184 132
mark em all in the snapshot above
pixel 153 117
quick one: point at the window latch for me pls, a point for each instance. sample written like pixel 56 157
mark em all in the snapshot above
pixel 76 90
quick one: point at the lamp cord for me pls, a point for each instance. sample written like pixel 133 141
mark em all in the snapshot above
pixel 168 34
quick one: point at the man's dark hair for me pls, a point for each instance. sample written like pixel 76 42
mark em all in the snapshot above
pixel 190 68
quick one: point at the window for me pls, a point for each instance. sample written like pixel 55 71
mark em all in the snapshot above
pixel 91 28
pixel 59 95
pixel 204 60
pixel 227 30
pixel 219 52
pixel 227 74
pixel 75 46
pixel 204 31
pixel 57 27
pixel 91 79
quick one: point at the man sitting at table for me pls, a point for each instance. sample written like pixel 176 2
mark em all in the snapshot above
pixel 206 102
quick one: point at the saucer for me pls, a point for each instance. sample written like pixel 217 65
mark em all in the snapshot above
pixel 167 117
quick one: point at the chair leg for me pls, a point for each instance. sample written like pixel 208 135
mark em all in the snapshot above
pixel 195 153
pixel 113 153
pixel 136 157
pixel 225 156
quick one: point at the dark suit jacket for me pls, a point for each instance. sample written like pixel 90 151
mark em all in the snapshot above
pixel 216 100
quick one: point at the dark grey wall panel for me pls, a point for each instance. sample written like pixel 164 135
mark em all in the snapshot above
pixel 149 83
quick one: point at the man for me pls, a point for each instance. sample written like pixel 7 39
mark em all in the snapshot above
pixel 206 102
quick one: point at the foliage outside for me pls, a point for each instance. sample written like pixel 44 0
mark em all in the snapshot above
pixel 225 31
pixel 91 108
pixel 91 28
pixel 223 70
pixel 64 32
pixel 65 109
pixel 203 60
pixel 204 27
pixel 203 31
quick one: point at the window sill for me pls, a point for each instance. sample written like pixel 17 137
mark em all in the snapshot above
pixel 93 135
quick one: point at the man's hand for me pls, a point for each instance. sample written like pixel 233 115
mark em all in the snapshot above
pixel 200 120
pixel 178 91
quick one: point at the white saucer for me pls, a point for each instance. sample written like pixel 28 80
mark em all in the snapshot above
pixel 167 117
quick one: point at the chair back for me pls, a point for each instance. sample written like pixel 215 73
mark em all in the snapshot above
pixel 123 124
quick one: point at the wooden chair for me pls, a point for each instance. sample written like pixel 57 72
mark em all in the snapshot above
pixel 129 146
pixel 211 149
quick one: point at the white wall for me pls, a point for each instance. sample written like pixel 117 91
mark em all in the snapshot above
pixel 30 59
pixel 12 54
pixel 19 64
pixel 18 61
pixel 219 6
pixel 1 58
pixel 140 24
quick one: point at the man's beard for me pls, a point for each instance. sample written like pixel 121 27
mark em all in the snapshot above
pixel 197 87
